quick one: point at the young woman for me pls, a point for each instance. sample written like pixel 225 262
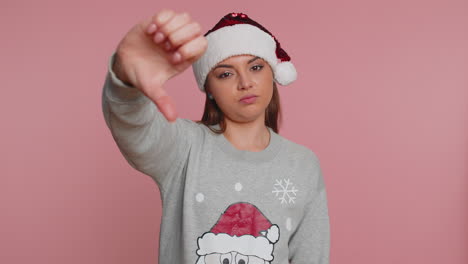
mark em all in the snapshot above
pixel 232 189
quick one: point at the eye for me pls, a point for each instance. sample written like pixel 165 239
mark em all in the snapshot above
pixel 225 258
pixel 241 259
pixel 259 67
pixel 223 75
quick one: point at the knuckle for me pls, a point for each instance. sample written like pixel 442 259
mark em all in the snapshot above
pixel 185 51
pixel 164 15
pixel 196 26
pixel 155 16
pixel 173 39
pixel 163 29
pixel 204 42
pixel 185 15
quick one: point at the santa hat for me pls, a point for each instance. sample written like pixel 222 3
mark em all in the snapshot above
pixel 241 228
pixel 237 34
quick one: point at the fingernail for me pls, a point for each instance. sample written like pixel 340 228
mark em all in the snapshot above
pixel 176 57
pixel 151 29
pixel 158 37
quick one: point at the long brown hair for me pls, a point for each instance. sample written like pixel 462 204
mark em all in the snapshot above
pixel 213 115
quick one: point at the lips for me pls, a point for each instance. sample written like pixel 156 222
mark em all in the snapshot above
pixel 247 96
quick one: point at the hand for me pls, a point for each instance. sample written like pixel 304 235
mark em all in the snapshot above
pixel 157 49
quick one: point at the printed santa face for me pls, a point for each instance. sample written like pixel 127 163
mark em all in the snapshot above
pixel 234 258
pixel 242 235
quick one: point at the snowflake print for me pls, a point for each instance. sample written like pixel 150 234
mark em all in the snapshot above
pixel 285 190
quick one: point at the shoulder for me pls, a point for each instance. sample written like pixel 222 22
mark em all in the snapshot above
pixel 305 164
pixel 195 130
pixel 304 161
pixel 189 129
pixel 299 152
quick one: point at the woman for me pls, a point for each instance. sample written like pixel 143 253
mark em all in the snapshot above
pixel 233 190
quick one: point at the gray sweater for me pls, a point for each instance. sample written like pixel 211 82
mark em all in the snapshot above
pixel 221 204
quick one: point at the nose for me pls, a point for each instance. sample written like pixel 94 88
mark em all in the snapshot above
pixel 245 81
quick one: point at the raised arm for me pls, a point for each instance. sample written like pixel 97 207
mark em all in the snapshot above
pixel 145 138
pixel 136 108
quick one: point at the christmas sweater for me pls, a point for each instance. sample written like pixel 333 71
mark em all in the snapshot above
pixel 221 204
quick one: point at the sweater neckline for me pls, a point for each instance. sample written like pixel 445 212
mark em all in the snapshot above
pixel 267 154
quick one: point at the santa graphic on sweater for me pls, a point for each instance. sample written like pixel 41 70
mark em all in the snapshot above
pixel 242 235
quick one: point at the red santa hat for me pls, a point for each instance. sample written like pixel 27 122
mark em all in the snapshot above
pixel 241 228
pixel 237 34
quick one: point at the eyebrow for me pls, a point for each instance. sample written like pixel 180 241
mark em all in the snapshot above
pixel 230 66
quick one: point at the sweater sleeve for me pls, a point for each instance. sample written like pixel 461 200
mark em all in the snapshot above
pixel 149 143
pixel 310 243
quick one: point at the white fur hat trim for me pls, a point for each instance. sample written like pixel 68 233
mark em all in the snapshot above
pixel 242 39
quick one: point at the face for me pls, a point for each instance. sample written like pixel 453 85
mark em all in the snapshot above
pixel 239 76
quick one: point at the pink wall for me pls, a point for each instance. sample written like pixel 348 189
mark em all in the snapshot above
pixel 381 97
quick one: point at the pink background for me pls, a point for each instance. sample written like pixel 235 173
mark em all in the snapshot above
pixel 381 98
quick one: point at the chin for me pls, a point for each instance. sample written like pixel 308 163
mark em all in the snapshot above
pixel 249 116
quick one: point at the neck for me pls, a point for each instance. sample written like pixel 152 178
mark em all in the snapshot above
pixel 251 136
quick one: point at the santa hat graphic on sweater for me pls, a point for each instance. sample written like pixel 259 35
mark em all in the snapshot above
pixel 241 228
pixel 237 34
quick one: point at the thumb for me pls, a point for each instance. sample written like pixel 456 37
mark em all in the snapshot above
pixel 164 103
pixel 167 107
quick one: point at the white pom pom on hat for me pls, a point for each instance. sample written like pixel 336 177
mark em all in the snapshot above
pixel 237 34
pixel 285 73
